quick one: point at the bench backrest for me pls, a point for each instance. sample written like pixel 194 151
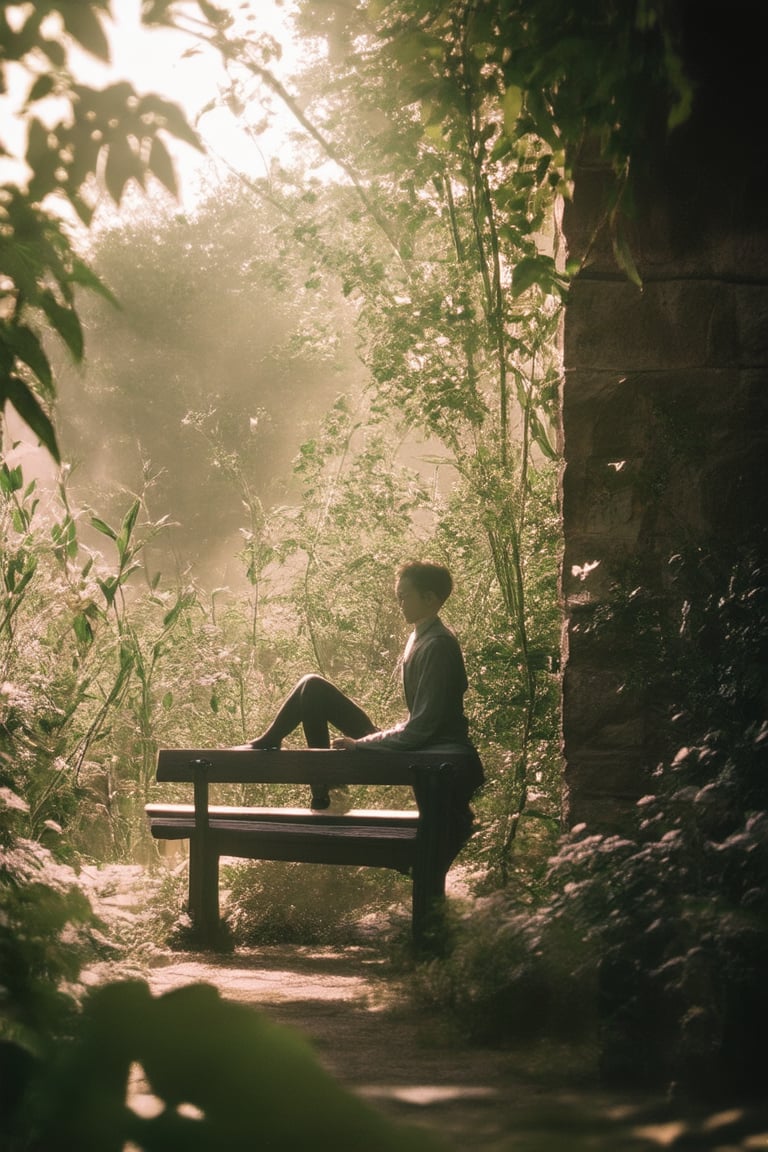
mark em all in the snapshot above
pixel 300 766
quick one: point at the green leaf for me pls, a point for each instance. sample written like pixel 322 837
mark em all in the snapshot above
pixel 127 658
pixel 18 586
pixel 214 14
pixel 416 48
pixel 83 629
pixel 624 257
pixel 502 147
pixel 72 545
pixel 84 211
pixel 529 271
pixel 83 275
pixel 123 164
pixel 161 165
pixel 168 701
pixel 170 117
pixel 42 87
pixel 542 166
pixel 126 572
pixel 55 52
pixel 27 347
pixel 65 321
pixel 156 11
pixel 82 23
pixel 544 124
pixel 109 588
pixel 541 437
pixel 172 616
pixel 28 407
pixel 42 159
pixel 127 526
pixel 511 106
pixel 11 479
pixel 103 527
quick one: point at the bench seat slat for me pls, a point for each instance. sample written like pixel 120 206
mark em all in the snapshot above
pixel 355 816
pixel 385 847
pixel 259 831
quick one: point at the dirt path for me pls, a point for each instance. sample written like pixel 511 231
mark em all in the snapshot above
pixel 415 1069
pixel 351 1005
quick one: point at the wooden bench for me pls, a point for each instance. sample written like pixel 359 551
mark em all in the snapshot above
pixel 420 842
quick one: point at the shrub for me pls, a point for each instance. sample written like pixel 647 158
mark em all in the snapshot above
pixel 271 901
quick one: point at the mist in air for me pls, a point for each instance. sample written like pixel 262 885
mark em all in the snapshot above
pixel 201 388
pixel 198 392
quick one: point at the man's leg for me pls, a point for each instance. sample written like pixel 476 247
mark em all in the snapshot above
pixel 288 717
pixel 315 703
pixel 322 704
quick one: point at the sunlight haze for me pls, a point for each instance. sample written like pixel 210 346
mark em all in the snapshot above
pixel 181 68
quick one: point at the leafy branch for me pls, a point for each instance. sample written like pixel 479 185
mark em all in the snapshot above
pixel 112 136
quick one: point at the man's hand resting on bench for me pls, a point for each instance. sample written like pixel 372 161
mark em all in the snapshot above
pixel 342 742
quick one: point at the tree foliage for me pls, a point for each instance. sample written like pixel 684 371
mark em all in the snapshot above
pixel 216 1094
pixel 440 229
pixel 217 366
pixel 75 138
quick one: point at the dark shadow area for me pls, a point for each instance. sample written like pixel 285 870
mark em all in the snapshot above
pixel 415 1066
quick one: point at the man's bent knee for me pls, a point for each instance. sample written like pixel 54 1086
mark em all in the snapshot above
pixel 312 684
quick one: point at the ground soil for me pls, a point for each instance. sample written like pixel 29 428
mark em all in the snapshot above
pixel 355 1008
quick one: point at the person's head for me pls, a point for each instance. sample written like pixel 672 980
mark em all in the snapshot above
pixel 422 588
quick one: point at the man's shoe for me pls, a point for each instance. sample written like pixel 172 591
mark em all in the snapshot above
pixel 321 799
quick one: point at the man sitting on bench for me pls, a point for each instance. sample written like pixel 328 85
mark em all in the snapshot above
pixel 434 683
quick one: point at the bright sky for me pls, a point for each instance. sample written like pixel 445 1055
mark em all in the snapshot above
pixel 158 60
pixel 180 68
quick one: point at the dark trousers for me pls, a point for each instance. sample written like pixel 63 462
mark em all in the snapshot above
pixel 315 703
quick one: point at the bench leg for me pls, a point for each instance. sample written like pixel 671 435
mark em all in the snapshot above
pixel 433 794
pixel 428 894
pixel 204 893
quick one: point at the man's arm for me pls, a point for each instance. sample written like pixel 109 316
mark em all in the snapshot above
pixel 438 672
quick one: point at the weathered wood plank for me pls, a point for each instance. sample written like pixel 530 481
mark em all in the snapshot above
pixel 159 813
pixel 299 766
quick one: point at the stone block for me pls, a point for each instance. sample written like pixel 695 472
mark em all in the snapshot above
pixel 603 709
pixel 603 812
pixel 605 773
pixel 667 388
pixel 669 325
pixel 751 308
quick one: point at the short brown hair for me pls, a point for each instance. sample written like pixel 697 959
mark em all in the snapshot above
pixel 428 577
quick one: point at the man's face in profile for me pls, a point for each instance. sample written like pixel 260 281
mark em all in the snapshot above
pixel 414 604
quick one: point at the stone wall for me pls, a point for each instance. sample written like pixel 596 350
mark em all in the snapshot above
pixel 664 427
